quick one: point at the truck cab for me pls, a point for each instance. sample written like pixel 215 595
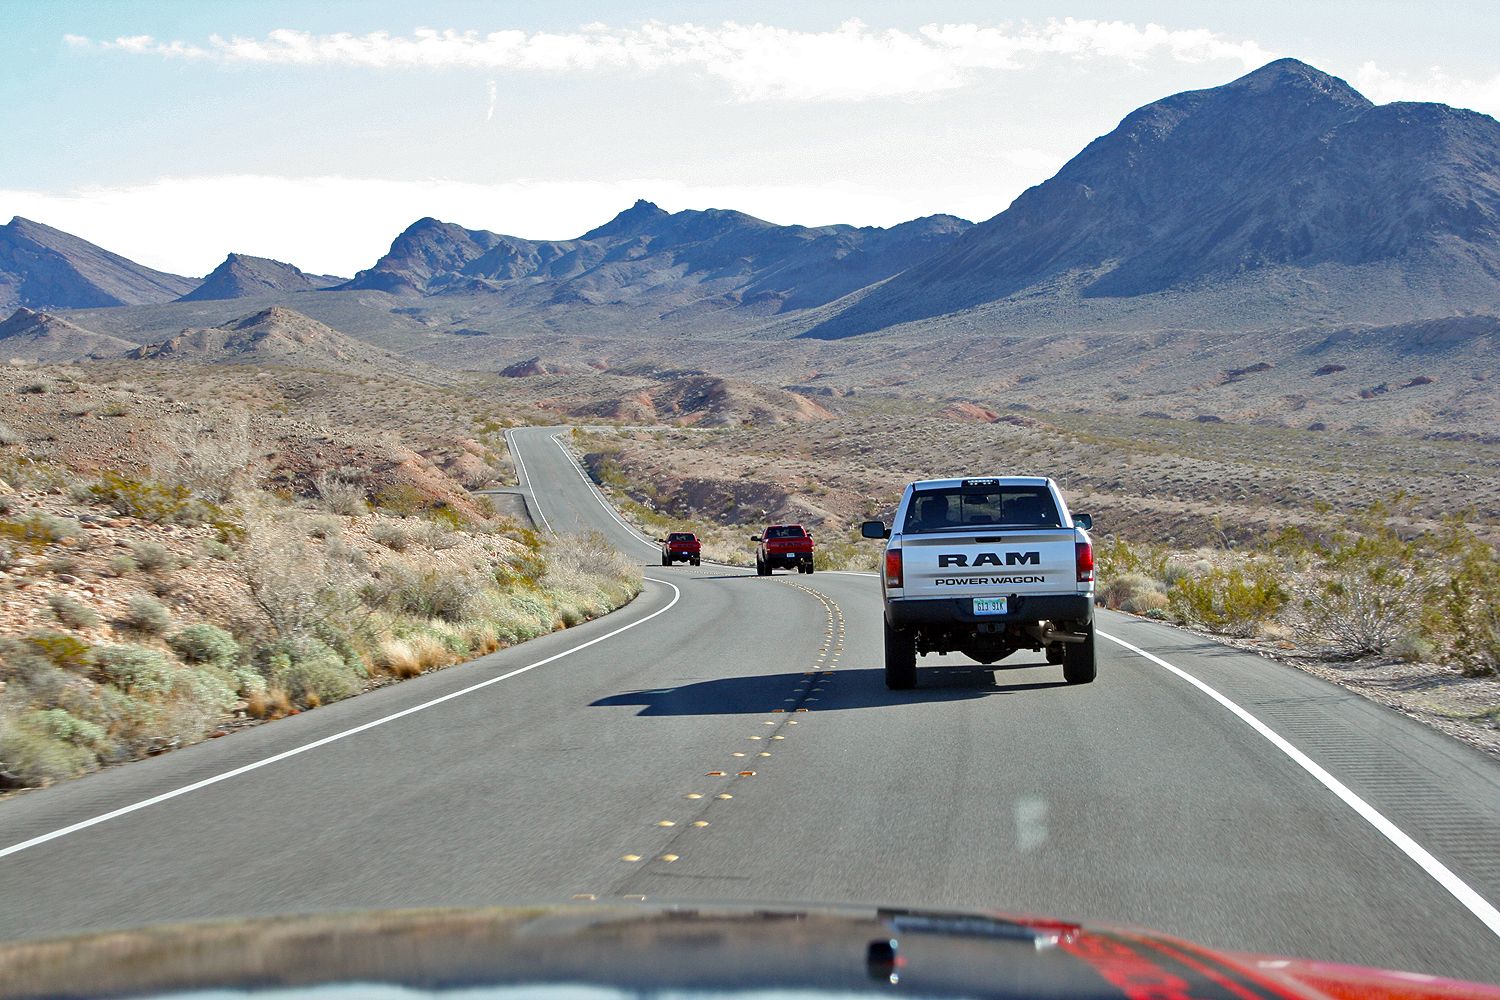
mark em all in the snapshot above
pixel 986 566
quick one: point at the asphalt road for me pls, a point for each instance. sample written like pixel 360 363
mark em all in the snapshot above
pixel 596 771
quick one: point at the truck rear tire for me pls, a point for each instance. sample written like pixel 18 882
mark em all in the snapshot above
pixel 1080 665
pixel 900 659
pixel 809 568
pixel 666 560
pixel 761 569
pixel 695 560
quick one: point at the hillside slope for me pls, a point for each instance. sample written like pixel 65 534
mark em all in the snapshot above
pixel 45 268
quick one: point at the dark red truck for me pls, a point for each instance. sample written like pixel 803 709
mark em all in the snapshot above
pixel 680 546
pixel 784 546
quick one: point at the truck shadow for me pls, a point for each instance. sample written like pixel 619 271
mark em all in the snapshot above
pixel 845 689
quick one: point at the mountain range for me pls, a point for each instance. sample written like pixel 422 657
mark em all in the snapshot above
pixel 1284 199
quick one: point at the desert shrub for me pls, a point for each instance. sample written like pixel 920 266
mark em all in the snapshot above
pixel 1462 612
pixel 205 643
pixel 1362 590
pixel 433 535
pixel 37 758
pixel 153 557
pixel 323 528
pixel 58 648
pixel 35 532
pixel 146 500
pixel 135 669
pixel 145 615
pixel 1235 601
pixel 214 459
pixel 1114 556
pixel 1116 591
pixel 340 496
pixel 425 593
pixel 298 588
pixel 309 671
pixel 392 534
pixel 215 549
pixel 589 575
pixel 8 435
pixel 61 724
pixel 852 553
pixel 448 517
pixel 122 565
pixel 72 612
pixel 402 499
pixel 516 617
pixel 1145 602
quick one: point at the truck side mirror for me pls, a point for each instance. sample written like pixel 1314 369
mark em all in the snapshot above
pixel 755 538
pixel 874 529
pixel 1084 521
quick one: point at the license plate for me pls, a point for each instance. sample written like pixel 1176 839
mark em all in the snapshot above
pixel 991 605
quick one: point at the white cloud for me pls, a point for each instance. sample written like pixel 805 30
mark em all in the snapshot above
pixel 494 96
pixel 1382 87
pixel 759 62
pixel 338 225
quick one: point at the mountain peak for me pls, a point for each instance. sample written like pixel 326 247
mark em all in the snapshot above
pixel 634 220
pixel 1293 74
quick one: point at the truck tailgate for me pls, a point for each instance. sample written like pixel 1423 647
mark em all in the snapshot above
pixel 991 563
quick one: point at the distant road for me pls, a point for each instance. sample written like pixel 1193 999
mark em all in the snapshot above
pixel 586 765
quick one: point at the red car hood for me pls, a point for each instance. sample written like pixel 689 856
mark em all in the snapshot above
pixel 687 949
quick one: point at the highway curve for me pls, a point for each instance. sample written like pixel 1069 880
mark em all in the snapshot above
pixel 730 737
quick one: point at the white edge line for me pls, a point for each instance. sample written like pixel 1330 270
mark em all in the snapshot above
pixel 608 507
pixel 510 443
pixel 315 744
pixel 1441 873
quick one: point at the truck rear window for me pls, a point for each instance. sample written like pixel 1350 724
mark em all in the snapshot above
pixel 959 507
pixel 681 536
pixel 786 531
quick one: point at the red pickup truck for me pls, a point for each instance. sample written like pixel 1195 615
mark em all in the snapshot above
pixel 680 546
pixel 784 545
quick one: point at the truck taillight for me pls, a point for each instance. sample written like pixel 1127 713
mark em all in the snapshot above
pixel 893 576
pixel 1085 552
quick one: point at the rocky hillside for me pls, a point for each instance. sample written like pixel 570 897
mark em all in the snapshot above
pixel 241 275
pixel 45 268
pixel 672 260
pixel 29 335
pixel 1286 182
pixel 278 336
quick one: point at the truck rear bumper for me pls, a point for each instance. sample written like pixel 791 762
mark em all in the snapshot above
pixel 1024 609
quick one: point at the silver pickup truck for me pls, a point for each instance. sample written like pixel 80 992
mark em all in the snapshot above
pixel 986 567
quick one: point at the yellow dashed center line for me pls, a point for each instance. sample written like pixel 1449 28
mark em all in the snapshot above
pixel 814 680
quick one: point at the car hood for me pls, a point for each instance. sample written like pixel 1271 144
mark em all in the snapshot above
pixel 606 950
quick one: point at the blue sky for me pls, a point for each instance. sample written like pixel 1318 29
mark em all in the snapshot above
pixel 177 132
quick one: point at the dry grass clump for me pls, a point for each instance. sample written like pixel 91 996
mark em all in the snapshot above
pixel 345 497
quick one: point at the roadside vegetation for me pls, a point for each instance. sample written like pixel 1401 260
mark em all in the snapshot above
pixel 1357 588
pixel 144 608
